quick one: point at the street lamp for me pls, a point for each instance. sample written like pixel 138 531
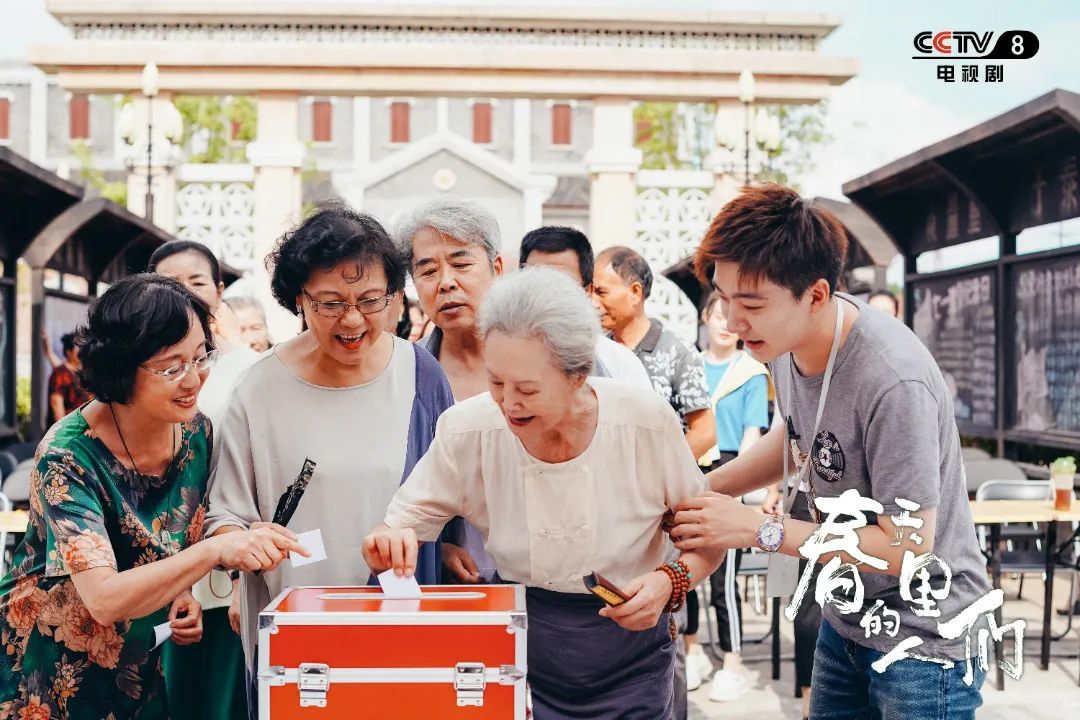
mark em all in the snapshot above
pixel 746 96
pixel 172 130
pixel 763 128
pixel 150 91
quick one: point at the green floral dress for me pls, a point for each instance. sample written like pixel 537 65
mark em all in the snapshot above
pixel 88 511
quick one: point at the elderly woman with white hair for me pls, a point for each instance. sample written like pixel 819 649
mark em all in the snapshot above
pixel 563 474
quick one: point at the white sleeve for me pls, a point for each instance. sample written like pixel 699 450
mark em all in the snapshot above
pixel 624 365
pixel 675 463
pixel 434 492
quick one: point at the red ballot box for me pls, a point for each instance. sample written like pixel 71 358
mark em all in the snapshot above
pixel 348 652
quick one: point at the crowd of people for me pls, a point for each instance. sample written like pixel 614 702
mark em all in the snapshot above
pixel 481 426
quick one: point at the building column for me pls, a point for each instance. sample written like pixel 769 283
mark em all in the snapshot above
pixel 277 156
pixel 725 185
pixel 162 180
pixel 522 157
pixel 613 163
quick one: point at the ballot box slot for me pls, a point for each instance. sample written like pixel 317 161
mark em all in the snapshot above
pixel 426 596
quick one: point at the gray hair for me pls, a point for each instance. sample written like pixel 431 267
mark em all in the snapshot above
pixel 245 302
pixel 460 219
pixel 545 303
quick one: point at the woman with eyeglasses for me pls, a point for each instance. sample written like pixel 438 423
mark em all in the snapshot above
pixel 205 681
pixel 116 515
pixel 346 399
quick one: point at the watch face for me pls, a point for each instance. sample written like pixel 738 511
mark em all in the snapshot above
pixel 772 534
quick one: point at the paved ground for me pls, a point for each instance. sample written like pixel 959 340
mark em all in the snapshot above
pixel 1038 695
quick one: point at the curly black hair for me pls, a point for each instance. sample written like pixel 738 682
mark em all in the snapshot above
pixel 333 234
pixel 134 320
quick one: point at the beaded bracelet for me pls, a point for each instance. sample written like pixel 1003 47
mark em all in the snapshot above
pixel 680 577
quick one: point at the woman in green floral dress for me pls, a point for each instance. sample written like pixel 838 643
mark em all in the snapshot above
pixel 113 543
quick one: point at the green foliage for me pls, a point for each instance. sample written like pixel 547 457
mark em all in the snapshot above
pixel 116 191
pixel 309 173
pixel 656 134
pixel 802 128
pixel 211 119
pixel 22 405
pixel 242 112
pixel 658 127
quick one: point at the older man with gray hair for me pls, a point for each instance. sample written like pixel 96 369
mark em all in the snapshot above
pixel 451 247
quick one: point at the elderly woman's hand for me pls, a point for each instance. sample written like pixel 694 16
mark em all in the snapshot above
pixel 259 550
pixel 388 548
pixel 649 595
pixel 185 619
pixel 457 560
pixel 715 521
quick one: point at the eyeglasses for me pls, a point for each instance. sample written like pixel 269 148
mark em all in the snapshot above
pixel 178 372
pixel 337 308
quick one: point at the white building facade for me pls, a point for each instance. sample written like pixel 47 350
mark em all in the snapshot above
pixel 527 113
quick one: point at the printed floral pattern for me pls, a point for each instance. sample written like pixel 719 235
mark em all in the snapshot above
pixel 89 511
pixel 676 371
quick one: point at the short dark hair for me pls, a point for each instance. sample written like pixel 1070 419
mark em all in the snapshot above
pixel 134 320
pixel 332 234
pixel 67 342
pixel 628 265
pixel 772 233
pixel 558 238
pixel 885 294
pixel 175 247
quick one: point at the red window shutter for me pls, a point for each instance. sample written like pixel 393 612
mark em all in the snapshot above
pixel 5 119
pixel 399 122
pixel 481 123
pixel 322 121
pixel 560 124
pixel 79 111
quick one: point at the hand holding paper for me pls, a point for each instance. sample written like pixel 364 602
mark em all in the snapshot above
pixel 313 542
pixel 162 633
pixel 395 587
pixel 185 620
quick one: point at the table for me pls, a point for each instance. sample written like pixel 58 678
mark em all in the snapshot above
pixel 13 521
pixel 997 512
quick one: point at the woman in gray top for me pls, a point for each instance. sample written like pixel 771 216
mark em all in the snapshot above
pixel 355 401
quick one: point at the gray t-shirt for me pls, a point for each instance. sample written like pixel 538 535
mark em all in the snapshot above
pixel 357 436
pixel 888 432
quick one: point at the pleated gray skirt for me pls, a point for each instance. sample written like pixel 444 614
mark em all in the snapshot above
pixel 583 666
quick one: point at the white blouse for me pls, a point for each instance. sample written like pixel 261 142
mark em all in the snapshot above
pixel 549 524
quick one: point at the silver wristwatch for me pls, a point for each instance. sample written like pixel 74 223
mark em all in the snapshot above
pixel 770 536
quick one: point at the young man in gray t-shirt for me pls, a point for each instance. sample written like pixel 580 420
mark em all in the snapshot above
pixel 886 434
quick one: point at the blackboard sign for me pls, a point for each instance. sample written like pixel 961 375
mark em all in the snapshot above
pixel 954 317
pixel 1047 346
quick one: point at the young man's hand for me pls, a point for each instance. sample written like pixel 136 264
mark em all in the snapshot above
pixel 715 521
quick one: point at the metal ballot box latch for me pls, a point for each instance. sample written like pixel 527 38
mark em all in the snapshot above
pixel 314 681
pixel 469 683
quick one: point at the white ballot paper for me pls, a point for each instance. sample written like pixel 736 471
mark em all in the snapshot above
pixel 313 542
pixel 395 587
pixel 162 633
